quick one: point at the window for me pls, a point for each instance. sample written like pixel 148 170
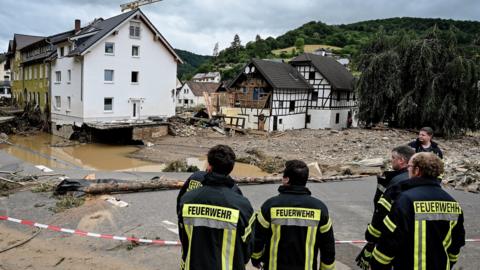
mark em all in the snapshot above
pixel 337 118
pixel 134 29
pixel 40 72
pixel 280 104
pixel 185 101
pixel 185 91
pixel 108 104
pixel 134 76
pixel 292 106
pixel 69 72
pixel 280 121
pixel 58 76
pixel 69 103
pixel 109 48
pixel 62 51
pixel 309 118
pixel 108 76
pixel 58 102
pixel 314 95
pixel 135 51
pixel 311 75
pixel 339 96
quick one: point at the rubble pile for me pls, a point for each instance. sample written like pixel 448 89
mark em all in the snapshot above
pixel 32 120
pixel 180 127
pixel 463 175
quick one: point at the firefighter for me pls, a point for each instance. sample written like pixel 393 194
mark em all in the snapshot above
pixel 424 229
pixel 196 179
pixel 292 226
pixel 215 222
pixel 387 191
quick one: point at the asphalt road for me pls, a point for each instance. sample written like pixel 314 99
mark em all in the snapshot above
pixel 152 215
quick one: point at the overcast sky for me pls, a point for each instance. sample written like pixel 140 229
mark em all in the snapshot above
pixel 196 25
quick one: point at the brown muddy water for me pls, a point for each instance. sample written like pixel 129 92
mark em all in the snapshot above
pixel 37 149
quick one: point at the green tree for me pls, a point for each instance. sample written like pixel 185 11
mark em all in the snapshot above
pixel 299 44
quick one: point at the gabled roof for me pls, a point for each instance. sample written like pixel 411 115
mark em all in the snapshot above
pixel 279 75
pixel 101 28
pixel 199 87
pixel 336 74
pixel 22 41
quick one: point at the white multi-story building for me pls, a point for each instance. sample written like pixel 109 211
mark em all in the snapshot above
pixel 118 69
pixel 5 87
pixel 207 77
pixel 191 94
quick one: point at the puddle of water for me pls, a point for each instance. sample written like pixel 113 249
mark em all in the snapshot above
pixel 36 150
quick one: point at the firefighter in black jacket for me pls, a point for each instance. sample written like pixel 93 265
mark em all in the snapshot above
pixel 425 225
pixel 293 226
pixel 385 194
pixel 215 222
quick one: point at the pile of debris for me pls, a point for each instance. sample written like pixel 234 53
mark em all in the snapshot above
pixel 31 120
pixel 463 175
pixel 181 127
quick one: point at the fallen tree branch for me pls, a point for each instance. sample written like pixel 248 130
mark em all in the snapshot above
pixel 21 243
pixel 10 181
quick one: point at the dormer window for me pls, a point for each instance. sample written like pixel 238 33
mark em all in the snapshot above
pixel 135 30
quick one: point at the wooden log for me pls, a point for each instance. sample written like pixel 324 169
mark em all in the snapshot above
pixel 169 184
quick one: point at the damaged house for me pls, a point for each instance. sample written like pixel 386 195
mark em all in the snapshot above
pixel 311 91
pixel 119 70
pixel 191 94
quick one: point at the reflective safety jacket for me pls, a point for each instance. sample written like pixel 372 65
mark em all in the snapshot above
pixel 424 229
pixel 290 229
pixel 215 226
pixel 387 192
pixel 196 181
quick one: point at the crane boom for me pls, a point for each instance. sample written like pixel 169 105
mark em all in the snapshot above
pixel 136 4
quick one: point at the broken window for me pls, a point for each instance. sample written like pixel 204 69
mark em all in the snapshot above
pixel 134 76
pixel 108 104
pixel 315 95
pixel 311 75
pixel 291 108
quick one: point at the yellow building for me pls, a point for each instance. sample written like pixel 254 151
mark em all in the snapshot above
pixel 30 81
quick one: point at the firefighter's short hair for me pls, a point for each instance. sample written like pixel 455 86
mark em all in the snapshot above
pixel 222 159
pixel 429 164
pixel 297 172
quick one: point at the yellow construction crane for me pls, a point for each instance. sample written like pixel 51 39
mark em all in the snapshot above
pixel 136 4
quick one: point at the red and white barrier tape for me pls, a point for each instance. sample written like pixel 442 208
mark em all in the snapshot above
pixel 138 240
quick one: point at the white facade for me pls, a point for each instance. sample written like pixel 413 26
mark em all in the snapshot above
pixel 128 96
pixel 214 77
pixel 186 98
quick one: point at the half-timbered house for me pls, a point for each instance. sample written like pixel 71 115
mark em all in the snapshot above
pixel 312 91
pixel 332 100
pixel 270 95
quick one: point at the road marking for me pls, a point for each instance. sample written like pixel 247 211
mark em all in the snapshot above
pixel 170 226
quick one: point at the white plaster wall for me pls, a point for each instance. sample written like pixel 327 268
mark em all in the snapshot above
pixel 250 116
pixel 157 77
pixel 319 119
pixel 296 121
pixel 343 119
pixel 66 89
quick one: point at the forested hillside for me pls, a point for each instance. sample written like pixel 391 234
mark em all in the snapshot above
pixel 349 37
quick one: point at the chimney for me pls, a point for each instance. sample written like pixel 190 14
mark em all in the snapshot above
pixel 77 25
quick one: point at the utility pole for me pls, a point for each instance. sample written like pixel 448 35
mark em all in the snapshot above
pixel 136 4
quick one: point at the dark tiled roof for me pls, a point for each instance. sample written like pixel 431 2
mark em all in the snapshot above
pixel 104 27
pixel 199 87
pixel 336 74
pixel 22 41
pixel 280 75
